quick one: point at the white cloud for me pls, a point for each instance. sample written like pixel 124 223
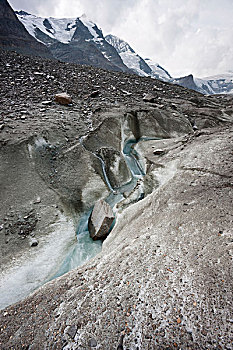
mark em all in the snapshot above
pixel 184 36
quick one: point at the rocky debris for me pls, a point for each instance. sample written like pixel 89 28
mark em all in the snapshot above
pixel 27 81
pixel 164 260
pixel 63 98
pixel 150 98
pixel 100 220
pixel 42 151
pixel 22 224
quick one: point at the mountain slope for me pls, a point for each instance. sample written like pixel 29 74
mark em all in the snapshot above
pixel 158 71
pixel 129 56
pixel 14 36
pixel 79 40
pixel 196 84
pixel 132 60
pixel 218 84
pixel 76 40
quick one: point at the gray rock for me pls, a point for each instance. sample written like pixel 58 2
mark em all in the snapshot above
pixel 92 343
pixel 72 331
pixel 38 200
pixel 150 98
pixel 33 242
pixel 100 220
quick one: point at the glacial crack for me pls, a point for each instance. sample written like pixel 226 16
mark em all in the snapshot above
pixel 206 171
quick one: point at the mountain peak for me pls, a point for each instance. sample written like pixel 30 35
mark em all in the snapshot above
pixel 14 36
pixel 132 60
pixel 22 13
pixel 91 26
pixel 76 40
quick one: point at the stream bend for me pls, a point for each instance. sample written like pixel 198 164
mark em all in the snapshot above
pixel 85 248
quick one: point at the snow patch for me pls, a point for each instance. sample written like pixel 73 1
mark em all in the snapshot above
pixel 157 70
pixel 62 28
pixel 132 61
pixel 203 85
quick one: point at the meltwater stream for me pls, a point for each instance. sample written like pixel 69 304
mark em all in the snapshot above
pixel 26 276
pixel 85 248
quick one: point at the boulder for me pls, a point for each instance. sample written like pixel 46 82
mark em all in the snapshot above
pixel 63 98
pixel 150 98
pixel 100 220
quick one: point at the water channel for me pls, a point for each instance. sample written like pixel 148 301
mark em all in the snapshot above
pixel 25 277
pixel 85 248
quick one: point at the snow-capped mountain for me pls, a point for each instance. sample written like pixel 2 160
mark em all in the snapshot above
pixel 197 84
pixel 221 83
pixel 56 29
pixel 158 71
pixel 129 56
pixel 132 60
pixel 218 84
pixel 77 40
pixel 146 67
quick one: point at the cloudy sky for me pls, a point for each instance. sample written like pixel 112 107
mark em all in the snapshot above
pixel 184 36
